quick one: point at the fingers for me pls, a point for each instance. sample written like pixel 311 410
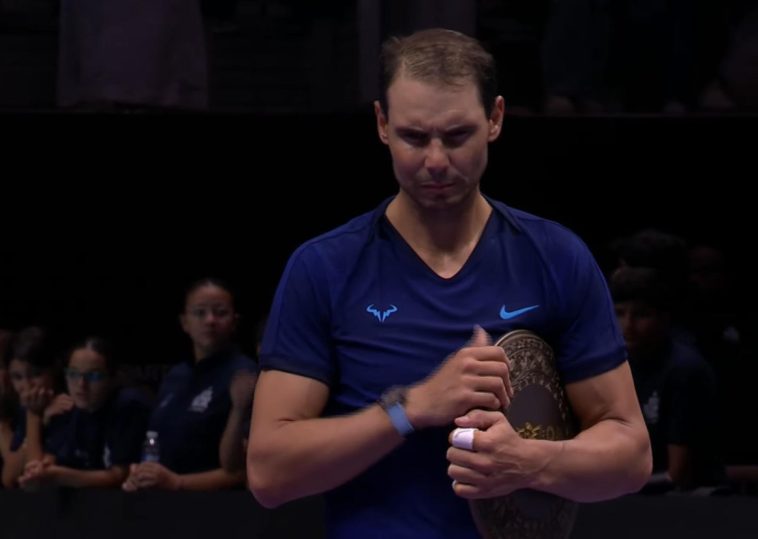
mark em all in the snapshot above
pixel 480 419
pixel 146 475
pixel 66 402
pixel 470 491
pixel 495 387
pixel 37 398
pixel 130 485
pixel 463 438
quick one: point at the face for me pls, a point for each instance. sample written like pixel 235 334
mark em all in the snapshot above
pixel 438 137
pixel 25 376
pixel 644 327
pixel 209 319
pixel 88 379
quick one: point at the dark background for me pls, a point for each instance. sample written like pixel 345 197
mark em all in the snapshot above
pixel 106 218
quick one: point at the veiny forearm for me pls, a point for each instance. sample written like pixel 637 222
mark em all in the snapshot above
pixel 610 459
pixel 304 457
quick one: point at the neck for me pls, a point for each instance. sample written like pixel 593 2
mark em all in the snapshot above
pixel 201 353
pixel 443 239
pixel 439 231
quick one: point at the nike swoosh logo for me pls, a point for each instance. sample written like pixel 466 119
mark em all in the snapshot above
pixel 506 315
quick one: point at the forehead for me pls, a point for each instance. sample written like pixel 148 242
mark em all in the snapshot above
pixel 16 364
pixel 427 103
pixel 86 356
pixel 209 294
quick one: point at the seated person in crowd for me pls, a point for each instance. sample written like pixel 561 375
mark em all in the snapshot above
pixel 675 385
pixel 233 450
pixel 93 443
pixel 193 403
pixel 8 399
pixel 32 373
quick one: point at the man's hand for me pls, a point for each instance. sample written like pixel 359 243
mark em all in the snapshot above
pixel 498 461
pixel 476 376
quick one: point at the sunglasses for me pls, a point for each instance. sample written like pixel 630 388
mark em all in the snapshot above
pixel 91 376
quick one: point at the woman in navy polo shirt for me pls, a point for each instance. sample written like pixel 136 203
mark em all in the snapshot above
pixel 193 402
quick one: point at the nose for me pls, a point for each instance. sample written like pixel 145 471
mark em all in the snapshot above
pixel 437 160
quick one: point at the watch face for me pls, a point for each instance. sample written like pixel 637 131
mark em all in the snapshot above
pixel 394 395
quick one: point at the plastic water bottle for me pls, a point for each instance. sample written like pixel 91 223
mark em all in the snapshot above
pixel 151 450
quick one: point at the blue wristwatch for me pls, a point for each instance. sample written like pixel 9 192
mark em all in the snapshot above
pixel 392 401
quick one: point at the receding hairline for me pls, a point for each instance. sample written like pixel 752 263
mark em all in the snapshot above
pixel 439 56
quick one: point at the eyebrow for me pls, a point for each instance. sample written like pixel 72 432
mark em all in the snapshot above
pixel 447 131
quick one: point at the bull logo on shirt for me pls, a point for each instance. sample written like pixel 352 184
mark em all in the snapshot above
pixel 381 315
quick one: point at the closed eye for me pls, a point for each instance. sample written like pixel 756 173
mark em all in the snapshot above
pixel 457 137
pixel 414 138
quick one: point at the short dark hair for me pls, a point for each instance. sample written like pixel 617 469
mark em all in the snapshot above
pixel 629 283
pixel 102 347
pixel 33 345
pixel 208 281
pixel 442 56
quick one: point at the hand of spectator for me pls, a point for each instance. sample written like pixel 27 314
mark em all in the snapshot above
pixel 151 475
pixel 61 404
pixel 36 399
pixel 36 474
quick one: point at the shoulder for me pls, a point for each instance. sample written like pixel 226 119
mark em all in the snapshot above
pixel 687 360
pixel 340 243
pixel 238 361
pixel 544 234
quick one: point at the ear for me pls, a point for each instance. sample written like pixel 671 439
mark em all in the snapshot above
pixel 496 118
pixel 183 322
pixel 381 122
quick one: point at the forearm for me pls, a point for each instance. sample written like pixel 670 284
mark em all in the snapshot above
pixel 13 467
pixel 305 457
pixel 680 465
pixel 33 439
pixel 609 459
pixel 71 477
pixel 6 437
pixel 217 479
pixel 230 449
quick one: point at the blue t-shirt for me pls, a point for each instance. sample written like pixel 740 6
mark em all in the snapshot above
pixel 110 436
pixel 358 310
pixel 192 410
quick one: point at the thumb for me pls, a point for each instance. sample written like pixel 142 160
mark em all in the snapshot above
pixel 479 337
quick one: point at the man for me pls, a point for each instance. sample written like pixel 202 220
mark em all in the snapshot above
pixel 383 308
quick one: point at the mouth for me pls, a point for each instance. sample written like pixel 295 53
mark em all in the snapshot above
pixel 437 187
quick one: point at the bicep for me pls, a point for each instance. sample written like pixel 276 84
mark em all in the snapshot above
pixel 606 396
pixel 282 397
